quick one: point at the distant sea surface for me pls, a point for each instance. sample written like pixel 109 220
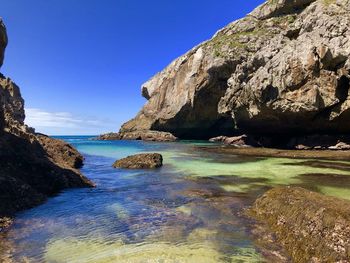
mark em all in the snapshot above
pixel 187 211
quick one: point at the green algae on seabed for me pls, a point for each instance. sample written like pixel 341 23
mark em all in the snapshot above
pixel 275 171
pixel 335 191
pixel 97 251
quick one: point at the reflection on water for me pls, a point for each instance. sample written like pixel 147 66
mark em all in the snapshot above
pixel 187 211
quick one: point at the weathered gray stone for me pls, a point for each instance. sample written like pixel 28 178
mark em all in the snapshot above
pixel 283 69
pixel 144 135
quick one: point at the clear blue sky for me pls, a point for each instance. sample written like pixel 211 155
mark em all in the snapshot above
pixel 80 63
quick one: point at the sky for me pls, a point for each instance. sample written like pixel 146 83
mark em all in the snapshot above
pixel 80 64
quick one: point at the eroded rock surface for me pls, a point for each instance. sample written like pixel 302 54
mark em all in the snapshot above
pixel 238 141
pixel 144 135
pixel 140 161
pixel 32 166
pixel 310 226
pixel 283 69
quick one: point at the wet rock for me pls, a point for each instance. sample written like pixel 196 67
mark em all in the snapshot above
pixel 310 226
pixel 319 142
pixel 144 135
pixel 5 222
pixel 302 147
pixel 279 153
pixel 340 146
pixel 238 141
pixel 61 152
pixel 282 70
pixel 140 161
pixel 218 139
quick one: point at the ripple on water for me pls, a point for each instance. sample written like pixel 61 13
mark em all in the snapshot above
pixel 187 211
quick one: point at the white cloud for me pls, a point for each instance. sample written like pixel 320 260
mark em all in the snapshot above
pixel 65 123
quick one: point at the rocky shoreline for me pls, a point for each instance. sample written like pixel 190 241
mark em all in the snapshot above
pixel 33 166
pixel 144 135
pixel 308 142
pixel 311 227
pixel 280 153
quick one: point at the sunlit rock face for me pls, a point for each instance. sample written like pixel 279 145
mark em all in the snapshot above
pixel 282 69
pixel 32 166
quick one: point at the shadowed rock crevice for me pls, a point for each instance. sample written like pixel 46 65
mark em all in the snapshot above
pixel 199 118
pixel 342 90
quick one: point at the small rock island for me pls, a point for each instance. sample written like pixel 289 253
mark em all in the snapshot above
pixel 140 161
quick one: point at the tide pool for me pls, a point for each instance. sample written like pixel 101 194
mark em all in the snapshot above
pixel 187 211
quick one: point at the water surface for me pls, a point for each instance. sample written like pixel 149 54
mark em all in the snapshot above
pixel 187 211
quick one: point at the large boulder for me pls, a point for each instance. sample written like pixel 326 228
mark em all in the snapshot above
pixel 140 161
pixel 311 227
pixel 32 166
pixel 281 70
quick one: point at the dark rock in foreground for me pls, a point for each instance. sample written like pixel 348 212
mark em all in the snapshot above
pixel 310 226
pixel 140 161
pixel 144 135
pixel 32 166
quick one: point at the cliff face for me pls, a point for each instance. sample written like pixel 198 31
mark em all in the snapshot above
pixel 32 166
pixel 283 69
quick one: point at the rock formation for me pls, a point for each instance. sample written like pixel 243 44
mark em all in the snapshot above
pixel 32 166
pixel 310 226
pixel 144 135
pixel 281 70
pixel 140 161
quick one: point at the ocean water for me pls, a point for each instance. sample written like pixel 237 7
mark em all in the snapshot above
pixel 190 210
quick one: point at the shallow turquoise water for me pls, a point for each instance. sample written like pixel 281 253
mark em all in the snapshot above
pixel 187 211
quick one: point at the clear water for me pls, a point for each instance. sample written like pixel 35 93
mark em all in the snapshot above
pixel 187 211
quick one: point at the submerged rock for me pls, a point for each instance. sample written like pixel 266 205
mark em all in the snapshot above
pixel 310 226
pixel 283 69
pixel 32 166
pixel 144 135
pixel 140 161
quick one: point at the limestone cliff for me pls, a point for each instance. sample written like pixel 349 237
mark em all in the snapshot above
pixel 283 69
pixel 32 166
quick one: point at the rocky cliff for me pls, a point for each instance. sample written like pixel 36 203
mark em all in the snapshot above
pixel 281 70
pixel 32 166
